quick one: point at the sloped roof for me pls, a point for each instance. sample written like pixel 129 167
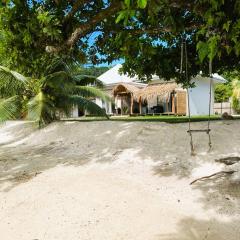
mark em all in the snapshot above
pixel 113 76
pixel 162 90
pixel 216 78
pixel 125 88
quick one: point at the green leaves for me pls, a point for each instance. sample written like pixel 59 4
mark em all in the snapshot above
pixel 142 3
pixel 10 108
pixel 11 82
pixel 203 50
pixel 91 92
pixel 127 3
pixel 130 11
pixel 213 44
pixel 208 49
pixel 41 109
pixel 125 15
pixel 41 99
pixel 87 105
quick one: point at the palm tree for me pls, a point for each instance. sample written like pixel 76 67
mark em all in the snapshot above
pixel 41 100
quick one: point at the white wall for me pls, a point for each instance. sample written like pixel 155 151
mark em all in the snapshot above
pixel 98 101
pixel 75 111
pixel 199 97
pixel 106 105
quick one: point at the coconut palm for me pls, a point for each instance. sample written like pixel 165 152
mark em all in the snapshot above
pixel 41 100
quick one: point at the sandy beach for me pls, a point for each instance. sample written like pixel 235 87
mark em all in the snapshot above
pixel 117 181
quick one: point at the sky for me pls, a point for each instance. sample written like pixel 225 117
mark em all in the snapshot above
pixel 91 40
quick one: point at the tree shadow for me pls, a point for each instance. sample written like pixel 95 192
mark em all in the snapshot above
pixel 213 229
pixel 165 146
pixel 12 131
pixel 19 165
pixel 220 194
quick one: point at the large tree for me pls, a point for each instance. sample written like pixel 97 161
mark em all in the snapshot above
pixel 147 34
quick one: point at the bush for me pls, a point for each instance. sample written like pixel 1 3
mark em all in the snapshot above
pixel 236 104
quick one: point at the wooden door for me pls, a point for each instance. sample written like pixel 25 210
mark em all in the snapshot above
pixel 181 102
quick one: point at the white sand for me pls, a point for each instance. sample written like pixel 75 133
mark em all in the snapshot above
pixel 116 180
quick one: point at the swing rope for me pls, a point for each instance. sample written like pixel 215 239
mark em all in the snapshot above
pixel 190 131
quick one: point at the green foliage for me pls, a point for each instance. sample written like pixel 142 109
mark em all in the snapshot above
pixel 11 82
pixel 142 3
pixel 10 108
pixel 236 94
pixel 147 34
pixel 223 92
pixel 94 71
pixel 42 99
pixel 211 29
pixel 24 33
pixel 236 104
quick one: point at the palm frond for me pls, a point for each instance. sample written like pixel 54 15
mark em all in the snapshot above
pixel 60 82
pixel 87 105
pixel 11 82
pixel 85 80
pixel 57 65
pixel 10 108
pixel 63 105
pixel 41 109
pixel 88 92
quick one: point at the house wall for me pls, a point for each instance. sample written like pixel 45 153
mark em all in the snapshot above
pixel 75 112
pixel 103 104
pixel 199 97
pixel 220 108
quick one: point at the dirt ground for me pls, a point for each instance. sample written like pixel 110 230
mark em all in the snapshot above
pixel 117 181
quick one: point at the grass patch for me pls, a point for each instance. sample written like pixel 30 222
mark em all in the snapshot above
pixel 167 119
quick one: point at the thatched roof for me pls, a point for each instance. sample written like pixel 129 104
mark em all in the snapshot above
pixel 123 88
pixel 161 90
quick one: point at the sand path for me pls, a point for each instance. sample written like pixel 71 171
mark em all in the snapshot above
pixel 116 180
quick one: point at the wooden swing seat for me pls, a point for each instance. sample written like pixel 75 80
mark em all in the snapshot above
pixel 199 130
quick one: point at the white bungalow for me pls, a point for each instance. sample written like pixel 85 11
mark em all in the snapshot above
pixel 131 96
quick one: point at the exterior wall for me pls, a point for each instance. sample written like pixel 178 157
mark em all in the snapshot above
pixel 220 108
pixel 99 102
pixel 199 97
pixel 75 112
pixel 103 104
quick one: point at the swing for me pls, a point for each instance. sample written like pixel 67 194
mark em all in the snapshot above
pixel 190 130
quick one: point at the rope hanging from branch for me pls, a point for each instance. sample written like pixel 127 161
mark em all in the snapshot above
pixel 184 61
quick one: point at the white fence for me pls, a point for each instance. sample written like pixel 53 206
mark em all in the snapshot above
pixel 220 108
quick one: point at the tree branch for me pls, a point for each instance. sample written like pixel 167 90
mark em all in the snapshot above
pixel 75 8
pixel 212 175
pixel 85 28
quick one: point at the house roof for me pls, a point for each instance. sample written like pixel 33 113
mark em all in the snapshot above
pixel 216 78
pixel 125 88
pixel 113 76
pixel 161 90
pixel 219 79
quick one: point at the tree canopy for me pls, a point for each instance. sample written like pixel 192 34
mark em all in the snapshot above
pixel 147 34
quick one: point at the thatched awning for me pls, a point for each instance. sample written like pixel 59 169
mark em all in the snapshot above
pixel 160 90
pixel 125 88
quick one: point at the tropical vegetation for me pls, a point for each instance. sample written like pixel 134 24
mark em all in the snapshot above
pixel 44 99
pixel 147 34
pixel 236 95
